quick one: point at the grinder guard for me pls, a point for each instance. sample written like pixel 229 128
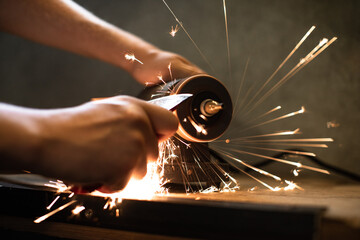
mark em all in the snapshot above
pixel 203 118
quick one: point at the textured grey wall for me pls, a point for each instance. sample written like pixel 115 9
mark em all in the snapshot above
pixel 263 31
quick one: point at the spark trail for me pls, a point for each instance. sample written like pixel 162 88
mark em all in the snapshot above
pixel 191 39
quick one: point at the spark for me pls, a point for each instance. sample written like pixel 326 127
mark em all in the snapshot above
pixel 198 127
pixel 294 144
pixel 174 30
pixel 296 172
pixel 132 58
pixel 301 111
pixel 332 124
pixel 296 131
pixel 236 107
pixel 263 172
pixel 160 77
pixel 256 179
pixel 183 28
pixel 294 140
pixel 58 184
pixel 291 186
pixel 145 188
pixel 227 40
pixel 267 113
pixel 210 189
pixel 297 164
pixel 78 209
pixel 52 203
pixel 282 64
pixel 170 72
pixel 302 63
pixel 252 189
pixel 283 151
pixel 42 218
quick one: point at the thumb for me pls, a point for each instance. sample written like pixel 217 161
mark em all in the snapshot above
pixel 164 122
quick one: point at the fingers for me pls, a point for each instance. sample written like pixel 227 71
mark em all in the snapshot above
pixel 148 124
pixel 163 121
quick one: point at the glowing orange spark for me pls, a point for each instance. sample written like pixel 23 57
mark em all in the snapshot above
pixel 42 218
pixel 174 30
pixel 198 127
pixel 52 203
pixel 170 72
pixel 77 210
pixel 132 58
pixel 145 188
pixel 161 78
pixel 291 186
pixel 296 172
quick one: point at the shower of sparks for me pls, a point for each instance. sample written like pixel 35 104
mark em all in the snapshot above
pixel 323 44
pixel 132 58
pixel 251 167
pixel 187 33
pixel 296 164
pixel 174 30
pixel 42 218
pixel 281 65
pixel 144 189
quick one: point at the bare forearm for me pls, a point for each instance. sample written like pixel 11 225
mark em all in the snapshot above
pixel 66 25
pixel 18 141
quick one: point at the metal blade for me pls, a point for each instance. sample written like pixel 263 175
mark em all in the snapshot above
pixel 171 101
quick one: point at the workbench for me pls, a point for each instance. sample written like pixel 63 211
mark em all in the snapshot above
pixel 327 208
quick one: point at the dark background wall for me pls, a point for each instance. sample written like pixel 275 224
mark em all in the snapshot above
pixel 262 31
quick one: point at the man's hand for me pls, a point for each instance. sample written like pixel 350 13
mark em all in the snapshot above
pixel 167 65
pixel 101 143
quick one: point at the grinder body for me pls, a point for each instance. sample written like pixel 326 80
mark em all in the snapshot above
pixel 203 118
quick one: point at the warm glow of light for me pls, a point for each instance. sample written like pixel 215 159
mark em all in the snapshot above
pixel 145 188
